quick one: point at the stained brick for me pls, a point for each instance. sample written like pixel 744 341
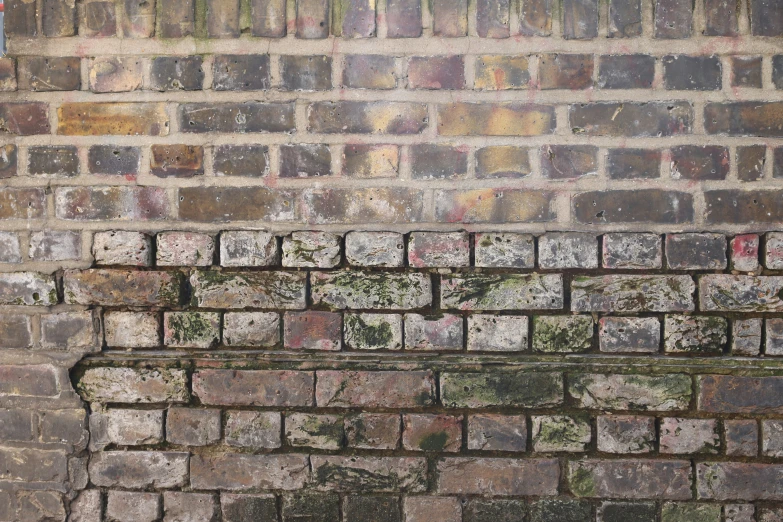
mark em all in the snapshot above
pixel 253 429
pixel 240 72
pixel 59 18
pixel 626 434
pixel 176 18
pixel 750 162
pixel 176 161
pixel 236 117
pixel 314 431
pixel 311 249
pixel 192 427
pixel 493 292
pixel 494 432
pixel 55 245
pixel 248 248
pixel 138 20
pixel 495 119
pixel 560 433
pixel 493 333
pixel 9 248
pixel 268 18
pixel 305 505
pixel 535 18
pixel 432 161
pixel 53 161
pixel 498 477
pixel 491 389
pixel 250 161
pixel 492 18
pixel 433 333
pixel 27 288
pixel 243 472
pixel 626 71
pixel 376 508
pixel 385 389
pixel 371 290
pixel 436 72
pixel 114 74
pixel 721 17
pixel 107 203
pixel 212 289
pixel 372 430
pixel 502 162
pixel 7 74
pixel 692 73
pixel 422 509
pixel 360 474
pixel 191 329
pixel 450 18
pixel 385 204
pixel 565 71
pixel 121 287
pixel 738 481
pixel 631 119
pixel 371 161
pixel 673 19
pixel 223 19
pixel 403 18
pixel 208 204
pixel 172 73
pixel 739 394
pixel 305 160
pixel 558 250
pixel 746 337
pixel 766 18
pixel 367 117
pixel 20 18
pixel 129 385
pixel 746 71
pixel 354 18
pixel 501 72
pixel 306 73
pixel 8 157
pixel 122 248
pixel 741 437
pixel 562 333
pixel 132 505
pixel 28 381
pixel 131 329
pixel 24 118
pixel 744 119
pixel 22 203
pixel 632 206
pixel 312 19
pixel 254 387
pixel 95 119
pixel 740 293
pixel 734 206
pixel 632 251
pixel 251 329
pixel 568 161
pixel 97 19
pixel 580 19
pixel 313 331
pixel 369 71
pixel 625 19
pixel 632 293
pixel 637 479
pixel 41 73
pixel 113 161
pixel 696 251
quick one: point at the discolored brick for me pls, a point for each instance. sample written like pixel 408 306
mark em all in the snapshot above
pixel 253 429
pixel 504 250
pixel 692 73
pixel 629 334
pixel 22 203
pixel 114 161
pixel 494 432
pixel 625 19
pixel 114 74
pixel 192 427
pixel 423 509
pixel 436 72
pixel 558 250
pixel 176 161
pixel 372 430
pixel 313 330
pixel 559 510
pixel 580 19
pixel 632 206
pixel 673 19
pixel 638 392
pixel 7 74
pixel 176 18
pixel 630 293
pixel 249 161
pixel 174 73
pixel 130 505
pixel 632 251
pixel 653 119
pixel 24 118
pixel 497 476
pixel 565 71
pixel 318 507
pixel 223 19
pixel 353 117
pixel 236 117
pixel 95 119
pixel 773 255
pixel 312 19
pixel 371 161
pixel 560 433
pixel 746 337
pixel 721 18
pixel 240 72
pixel 403 18
pixel 382 389
pixel 369 474
pixel 314 431
pixel 122 248
pixel 59 18
pixel 121 287
pixel 369 71
pixel 305 160
pixel 371 290
pixel 492 18
pixel 626 434
pixel 626 71
pixel 498 72
pixel 353 18
pixel 53 161
pixel 750 162
pixel 9 248
pixel 55 245
pixel 494 333
pixel 562 333
pixel 746 71
pixel 373 331
pixel 247 472
pixel 684 436
pixel 27 288
pixel 568 161
pixel 495 119
pixel 280 388
pixel 704 335
pixel 42 73
pixel 433 333
pixel 131 329
pixel 433 161
pixel 535 18
pixel 306 73
pixel 208 204
pixel 449 18
pixel 248 248
pixel 765 19
pixel 251 329
pixel 383 204
pixel 632 479
pixel 375 508
pixel 20 18
pixel 139 469
pixel 741 437
pixel 696 251
pixel 491 389
pixel 268 18
pixel 138 20
pixel 191 329
pixel 16 331
pixel 8 159
pixel 267 289
pixel 97 19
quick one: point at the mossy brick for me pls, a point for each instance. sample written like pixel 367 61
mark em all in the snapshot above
pixel 403 18
pixel 305 73
pixel 240 508
pixel 436 72
pixel 497 432
pixel 389 205
pixel 562 333
pixel 449 18
pixel 568 161
pixel 562 509
pixel 495 119
pixel 369 71
pixel 629 334
pixel 435 161
pixel 369 474
pixel 245 472
pixel 504 250
pixel 502 161
pixel 305 160
pixel 497 333
pixel 49 73
pixel 175 18
pixel 59 18
pixel 626 434
pixel 139 469
pixel 502 291
pixel 312 19
pixel 560 433
pixel 438 249
pixel 669 392
pixel 248 117
pixel 740 394
pixel 494 206
pixel 497 72
pixel 630 479
pixel 8 161
pixel 372 430
pixel 240 72
pixel 631 293
pixel 691 511
pixel 253 429
pixel 114 74
pixel 740 512
pixel 22 203
pixel 312 330
pixel 256 329
pixel 493 18
pixel 741 437
pixel 500 477
pixel 535 18
pixel 625 19
pixel 673 19
pixel 191 329
pixel 689 436
pixel 740 293
pixel 318 507
pixel 626 71
pixel 55 245
pixel 317 431
pixel 268 18
pixel 631 119
pixel 288 388
pixel 16 331
pixel 175 73
pixel 616 511
pixel 373 331
pixel 97 19
pixel 72 331
pixel 378 389
pixel 133 505
pixel 492 389
pixel 353 18
pixel 382 249
pixel 371 290
pixel 109 287
pixel 27 288
pixel 223 19
pixel 192 426
pixel 633 206
pixel 128 385
pixel 704 335
pixel 738 481
pixel 634 251
pixel 24 118
pixel 212 289
pixel 424 509
pixel 696 251
pixel 357 117
pixel 375 508
pixel 565 71
pixel 311 249
pixel 432 432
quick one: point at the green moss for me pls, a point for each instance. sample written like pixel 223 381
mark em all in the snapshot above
pixel 364 335
pixel 581 481
pixel 190 326
pixel 562 334
pixel 434 441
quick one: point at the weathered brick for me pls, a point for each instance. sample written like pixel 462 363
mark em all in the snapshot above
pixel 625 19
pixel 436 72
pixel 87 506
pixel 403 18
pixel 132 505
pixel 284 290
pixel 210 204
pixel 114 74
pixel 251 161
pixel 8 165
pixel 738 481
pixel 117 247
pixel 175 73
pixel 22 203
pixel 654 119
pixel 615 511
pixel 696 251
pixel 313 330
pixel 746 337
pixel 314 431
pixel 384 389
pixel 568 161
pixel 494 206
pixel 673 19
pixel 673 511
pixel 746 71
pixel 372 430
pixel 312 19
pixel 185 249
pixel 33 465
pixel 773 252
pixel 562 333
pixel 744 250
pixel 354 117
pixel 24 118
pixel 498 477
pixel 629 334
pixel 176 18
pixel 16 331
pixel 388 205
pixel 95 119
pixel 138 20
pixel 497 333
pixel 376 508
pixel 502 161
pixel 369 71
pixel 492 18
pixel 567 250
pixel 65 427
pixel 253 429
pixel 384 249
pixel 560 433
pixel 423 509
pixel 433 333
pixel 236 117
pixel 632 251
pixel 371 290
pixel 740 293
pixel 699 162
pixel 580 19
pixel 777 166
pixel 223 19
pixel 565 71
pixel 504 250
pixel 240 72
pixel 502 291
pixel 627 71
pixel 28 381
pixel 9 248
pixel 774 336
pixel 59 18
pixel 305 160
pixel 192 427
pixel 323 507
pixel 433 161
pixel 633 479
pixel 380 474
pixel 449 18
pixel 777 71
pixel 128 385
pixel 495 432
pixel 268 18
pixel 686 436
pixel 20 18
pixel 766 18
pixel 739 394
pixel 626 434
pixel 740 512
pixel 177 161
pixel 131 329
pixel 139 469
pixel 53 161
pixel 97 19
pixel 8 74
pixel 373 331
pixel 721 18
pixel 353 18
pixel 751 206
pixel 49 73
pixel 77 331
pixel 371 161
pixel 438 249
pixel 631 293
pixel 744 119
pixel 121 287
pixel 188 506
pixel 495 119
pixel 131 427
pixel 55 245
pixel 631 392
pixel 191 329
pixel 520 389
pixel 114 161
pixel 27 288
pixel 251 329
pixel 242 472
pixel 535 18
pixel 772 438
pixel 254 388
pixel 306 73
pixel 741 437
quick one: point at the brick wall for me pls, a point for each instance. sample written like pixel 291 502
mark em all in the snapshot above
pixel 445 260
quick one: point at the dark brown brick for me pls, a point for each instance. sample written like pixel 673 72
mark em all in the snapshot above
pixel 41 73
pixel 403 18
pixel 138 20
pixel 24 118
pixel 241 72
pixel 580 19
pixel 7 74
pixel 738 394
pixel 111 160
pixel 172 73
pixel 633 206
pixel 8 157
pixel 699 162
pixel 176 161
pixel 378 205
pixel 312 19
pixel 673 19
pixel 720 17
pixel 323 507
pixel 17 332
pixel 353 18
pixel 625 19
pixel 108 203
pixel 746 71
pixel 268 18
pixel 53 161
pixel 449 18
pixel 568 161
pixel 761 119
pixel 22 203
pixel 236 117
pixel 535 18
pixel 494 206
pixel 176 18
pixel 305 160
pixel 502 162
pixel 735 206
pixel 766 18
pixel 495 119
pixel 98 19
pixel 696 252
pixel 777 165
pixel 777 71
pixel 20 18
pixel 633 164
pixel 306 73
pixel 631 119
pixel 223 19
pixel 692 73
pixel 250 161
pixel 626 71
pixel 565 71
pixel 254 387
pixel 436 72
pixel 218 205
pixel 750 162
pixel 354 117
pixel 59 18
pixel 369 71
pixel 430 161
pixel 95 119
pixel 492 18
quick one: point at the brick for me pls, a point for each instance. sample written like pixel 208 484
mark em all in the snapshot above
pixel 268 18
pixel 502 162
pixel 49 73
pixel 777 168
pixel 314 431
pixel 16 331
pixel 320 507
pixel 55 245
pixel 773 251
pixel 565 71
pixel 177 73
pixel 734 206
pixel 403 18
pixel 176 161
pixel 436 249
pixel 744 250
pixel 59 18
pixel 210 204
pixel 117 247
pixel 494 206
pixel 384 249
pixel 384 389
pixel 313 330
pixel 504 250
pixel 502 292
pixel 28 381
pixel 495 119
pixel 306 73
pixel 497 476
pixel 672 511
pixel 686 436
pixel 696 251
pixel 371 161
pixel 388 205
pixel 98 19
pixel 771 438
pixel 436 72
pixel 560 510
pixel 721 18
pixel 33 465
pixel 138 20
pixel 433 333
pixel 631 293
pixel 189 506
pixel 253 429
pixel 234 290
pixel 65 427
pixel 777 71
pixel 493 333
pixel 24 118
pixel 746 71
pixel 9 248
pixel 371 290
pixel 236 117
pixel 568 161
pixel 744 119
pixel 121 287
pixel 632 479
pixel 627 71
pixel 559 433
pixel 673 19
pixel 376 508
pixel 185 249
pixel 192 427
pixel 567 250
pixel 139 469
pixel 373 331
pixel 22 203
pixel 740 512
pixel 128 385
pixel 354 117
pixel 114 161
pixel 746 337
pixel 77 331
pixel 251 329
pixel 8 74
pixel 176 18
pixel 354 18
pixel 378 474
pixel 741 437
pixel 629 334
pixel 8 156
pixel 765 18
pixel 632 251
pixel 87 506
pixel 369 71
pixel 562 333
pixel 423 509
pixel 131 329
pixel 492 18
pixel 738 481
pixel 250 161
pixel 133 427
pixel 240 72
pixel 622 434
pixel 739 394
pixel 495 432
pixel 699 163
pixel 305 160
pixel 449 18
pixel 618 511
pixel 372 430
pixel 580 19
pixel 243 472
pixel 520 389
pixel 432 161
pixel 740 293
pixel 95 119
pixel 114 74
pixel 191 329
pixel 631 392
pixel 625 19
pixel 130 505
pixel 312 19
pixel 27 288
pixel 223 19
pixel 535 18
pixel 20 18
pixel 254 388
pixel 53 161
pixel 652 119
pixel 774 336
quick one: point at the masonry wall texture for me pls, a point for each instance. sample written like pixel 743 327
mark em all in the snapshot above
pixel 391 261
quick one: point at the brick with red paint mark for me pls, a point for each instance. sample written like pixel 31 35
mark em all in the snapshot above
pixel 312 19
pixel 436 72
pixel 745 252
